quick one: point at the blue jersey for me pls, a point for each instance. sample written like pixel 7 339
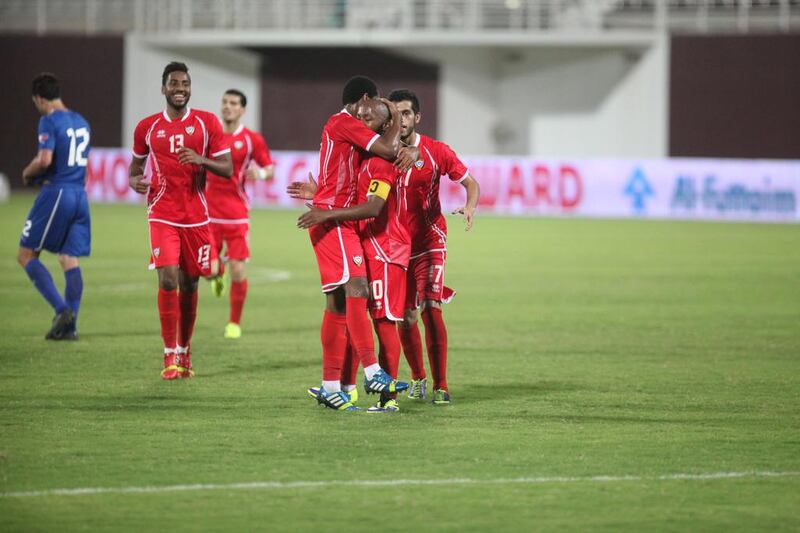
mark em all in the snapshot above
pixel 67 134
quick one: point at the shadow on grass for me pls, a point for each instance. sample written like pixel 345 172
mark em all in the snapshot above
pixel 261 368
pixel 478 392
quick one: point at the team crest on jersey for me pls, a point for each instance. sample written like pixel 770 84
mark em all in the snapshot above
pixel 160 134
pixel 357 259
pixel 419 164
pixel 156 252
pixel 238 145
pixel 43 137
pixel 189 129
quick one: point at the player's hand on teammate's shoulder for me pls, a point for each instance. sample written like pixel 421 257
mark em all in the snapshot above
pixel 313 216
pixel 469 216
pixel 138 183
pixel 187 156
pixel 303 190
pixel 406 156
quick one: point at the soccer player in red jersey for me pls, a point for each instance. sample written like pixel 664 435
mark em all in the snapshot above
pixel 386 243
pixel 425 286
pixel 228 204
pixel 337 246
pixel 180 144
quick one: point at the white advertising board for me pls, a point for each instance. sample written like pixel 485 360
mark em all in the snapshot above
pixel 706 189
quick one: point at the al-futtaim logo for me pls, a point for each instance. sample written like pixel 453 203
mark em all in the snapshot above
pixel 639 189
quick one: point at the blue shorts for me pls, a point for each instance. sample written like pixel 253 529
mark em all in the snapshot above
pixel 59 222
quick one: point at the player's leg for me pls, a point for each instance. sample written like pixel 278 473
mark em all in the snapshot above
pixel 196 257
pixel 45 229
pixel 165 248
pixel 333 336
pixel 168 312
pixel 387 300
pixel 326 241
pixel 77 244
pixel 187 305
pixel 408 330
pixel 73 289
pixel 217 279
pixel 238 254
pixel 350 372
pixel 435 329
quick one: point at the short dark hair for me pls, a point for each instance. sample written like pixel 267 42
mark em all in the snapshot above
pixel 173 66
pixel 356 87
pixel 46 85
pixel 240 94
pixel 401 95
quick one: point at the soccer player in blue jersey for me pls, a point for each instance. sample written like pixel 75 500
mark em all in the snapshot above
pixel 59 219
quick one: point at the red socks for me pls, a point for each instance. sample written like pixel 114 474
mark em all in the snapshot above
pixel 238 294
pixel 350 367
pixel 188 314
pixel 412 348
pixel 333 335
pixel 389 342
pixel 436 341
pixel 168 313
pixel 359 330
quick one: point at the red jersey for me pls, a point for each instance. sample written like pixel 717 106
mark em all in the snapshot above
pixel 425 217
pixel 345 141
pixel 227 199
pixel 175 196
pixel 386 236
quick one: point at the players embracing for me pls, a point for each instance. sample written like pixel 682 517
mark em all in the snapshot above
pixel 386 244
pixel 179 144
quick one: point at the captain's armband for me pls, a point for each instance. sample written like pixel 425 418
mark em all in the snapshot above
pixel 380 189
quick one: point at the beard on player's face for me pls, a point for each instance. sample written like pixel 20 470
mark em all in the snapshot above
pixel 174 99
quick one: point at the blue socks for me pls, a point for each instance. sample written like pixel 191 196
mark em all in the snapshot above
pixel 74 289
pixel 43 282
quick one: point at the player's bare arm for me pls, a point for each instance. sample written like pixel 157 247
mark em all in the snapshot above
pixel 300 190
pixel 221 166
pixel 39 163
pixel 473 195
pixel 369 209
pixel 264 173
pixel 136 175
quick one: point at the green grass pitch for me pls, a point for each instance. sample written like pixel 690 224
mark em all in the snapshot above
pixel 578 348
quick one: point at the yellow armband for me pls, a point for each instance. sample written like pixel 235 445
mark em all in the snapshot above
pixel 381 189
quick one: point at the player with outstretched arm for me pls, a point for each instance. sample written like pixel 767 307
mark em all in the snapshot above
pixel 428 229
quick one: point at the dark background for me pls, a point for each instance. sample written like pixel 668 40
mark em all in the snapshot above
pixel 735 96
pixel 90 69
pixel 730 96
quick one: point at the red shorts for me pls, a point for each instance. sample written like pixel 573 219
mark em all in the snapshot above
pixel 339 253
pixel 188 248
pixel 425 279
pixel 236 238
pixel 387 289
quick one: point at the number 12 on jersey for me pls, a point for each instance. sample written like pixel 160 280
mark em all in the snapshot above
pixel 76 150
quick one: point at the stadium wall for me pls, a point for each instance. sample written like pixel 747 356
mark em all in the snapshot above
pixel 213 71
pixel 302 87
pixel 735 96
pixel 554 101
pixel 90 69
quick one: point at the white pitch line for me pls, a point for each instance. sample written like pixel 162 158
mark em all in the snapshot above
pixel 279 485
